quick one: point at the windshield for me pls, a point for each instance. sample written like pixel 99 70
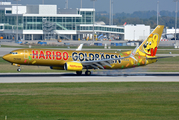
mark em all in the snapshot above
pixel 14 53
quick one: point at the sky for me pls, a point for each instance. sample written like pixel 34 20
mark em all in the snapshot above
pixel 127 6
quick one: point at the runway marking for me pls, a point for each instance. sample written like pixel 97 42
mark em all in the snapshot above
pixel 70 77
pixel 87 79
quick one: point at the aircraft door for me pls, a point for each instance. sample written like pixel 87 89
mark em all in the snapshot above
pixel 26 54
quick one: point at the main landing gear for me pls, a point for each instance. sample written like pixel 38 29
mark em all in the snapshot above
pixel 79 72
pixel 87 73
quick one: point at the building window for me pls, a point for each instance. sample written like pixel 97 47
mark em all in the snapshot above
pixel 88 20
pixel 74 19
pixel 59 19
pixel 1 27
pixel 69 26
pixel 91 28
pixel 39 26
pixel 88 13
pixel 68 19
pixel 78 20
pixel 39 19
pixel 8 11
pixel 78 27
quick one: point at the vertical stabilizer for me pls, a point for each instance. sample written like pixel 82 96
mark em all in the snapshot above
pixel 150 45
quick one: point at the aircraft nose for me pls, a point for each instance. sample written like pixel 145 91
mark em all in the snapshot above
pixel 7 57
pixel 4 57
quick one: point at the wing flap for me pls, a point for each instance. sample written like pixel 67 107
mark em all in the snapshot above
pixel 99 65
pixel 106 63
pixel 94 66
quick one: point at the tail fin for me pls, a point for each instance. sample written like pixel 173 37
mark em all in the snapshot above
pixel 150 45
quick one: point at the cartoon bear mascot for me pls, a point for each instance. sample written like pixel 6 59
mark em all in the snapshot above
pixel 151 45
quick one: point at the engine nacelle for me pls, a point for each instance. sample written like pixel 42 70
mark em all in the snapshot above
pixel 56 68
pixel 73 66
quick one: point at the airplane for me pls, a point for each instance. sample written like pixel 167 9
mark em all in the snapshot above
pixel 78 60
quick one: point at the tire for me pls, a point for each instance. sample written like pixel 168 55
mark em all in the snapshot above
pixel 88 73
pixel 18 70
pixel 79 72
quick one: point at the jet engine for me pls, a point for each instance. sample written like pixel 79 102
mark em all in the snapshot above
pixel 73 66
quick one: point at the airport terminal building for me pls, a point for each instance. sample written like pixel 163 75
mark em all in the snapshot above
pixel 39 22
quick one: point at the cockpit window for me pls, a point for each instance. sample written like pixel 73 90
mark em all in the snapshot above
pixel 14 53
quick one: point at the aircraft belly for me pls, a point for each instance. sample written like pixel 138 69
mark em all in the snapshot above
pixel 47 62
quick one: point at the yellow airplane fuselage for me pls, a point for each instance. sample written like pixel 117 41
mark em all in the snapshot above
pixel 57 58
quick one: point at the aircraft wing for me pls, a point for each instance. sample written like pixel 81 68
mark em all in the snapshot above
pixel 96 64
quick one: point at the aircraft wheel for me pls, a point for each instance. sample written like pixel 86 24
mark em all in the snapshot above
pixel 79 72
pixel 88 73
pixel 18 69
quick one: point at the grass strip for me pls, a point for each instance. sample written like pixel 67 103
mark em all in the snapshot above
pixel 89 101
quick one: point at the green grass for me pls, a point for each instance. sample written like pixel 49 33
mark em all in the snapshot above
pixel 169 60
pixel 2 61
pixel 90 101
pixel 166 47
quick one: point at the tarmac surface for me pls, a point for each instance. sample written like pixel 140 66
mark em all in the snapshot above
pixel 70 77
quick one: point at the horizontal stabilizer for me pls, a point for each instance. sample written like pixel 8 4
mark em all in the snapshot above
pixel 159 57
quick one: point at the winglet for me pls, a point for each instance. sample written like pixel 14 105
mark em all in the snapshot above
pixel 79 47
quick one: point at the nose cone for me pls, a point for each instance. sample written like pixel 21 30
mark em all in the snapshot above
pixel 7 58
pixel 4 57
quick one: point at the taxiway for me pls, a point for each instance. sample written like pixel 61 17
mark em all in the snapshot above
pixel 69 77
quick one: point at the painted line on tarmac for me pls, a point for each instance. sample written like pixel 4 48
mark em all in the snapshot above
pixel 88 79
pixel 93 75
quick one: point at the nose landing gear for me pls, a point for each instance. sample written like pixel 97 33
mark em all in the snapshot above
pixel 18 65
pixel 19 69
